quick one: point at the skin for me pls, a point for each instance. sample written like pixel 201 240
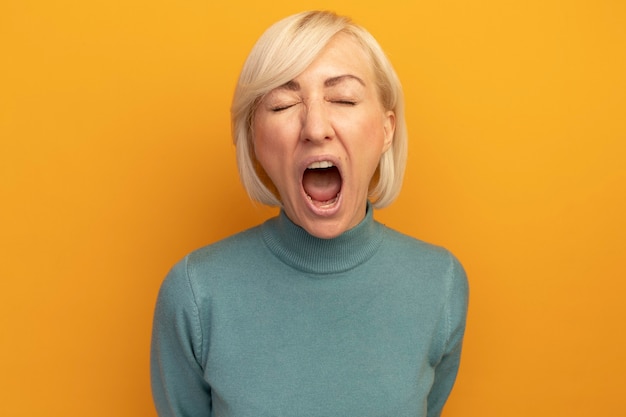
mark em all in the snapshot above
pixel 330 112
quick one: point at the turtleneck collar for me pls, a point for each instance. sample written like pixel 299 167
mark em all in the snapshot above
pixel 296 247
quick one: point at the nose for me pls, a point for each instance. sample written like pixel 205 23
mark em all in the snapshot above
pixel 316 123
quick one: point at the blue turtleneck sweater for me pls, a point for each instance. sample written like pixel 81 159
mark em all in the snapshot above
pixel 273 322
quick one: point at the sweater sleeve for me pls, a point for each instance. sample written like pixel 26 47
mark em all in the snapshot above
pixel 446 370
pixel 178 385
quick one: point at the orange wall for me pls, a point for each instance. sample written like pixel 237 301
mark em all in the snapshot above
pixel 115 160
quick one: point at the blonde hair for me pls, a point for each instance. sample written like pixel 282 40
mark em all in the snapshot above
pixel 282 53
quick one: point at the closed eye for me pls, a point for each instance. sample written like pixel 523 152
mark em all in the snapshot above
pixel 280 108
pixel 346 102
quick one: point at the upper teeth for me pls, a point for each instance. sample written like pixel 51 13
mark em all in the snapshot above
pixel 321 164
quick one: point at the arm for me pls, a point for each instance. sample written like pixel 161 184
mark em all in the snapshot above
pixel 178 385
pixel 447 368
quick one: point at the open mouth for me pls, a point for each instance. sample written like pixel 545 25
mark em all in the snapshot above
pixel 321 182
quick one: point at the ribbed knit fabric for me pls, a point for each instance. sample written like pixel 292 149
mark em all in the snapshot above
pixel 306 253
pixel 275 322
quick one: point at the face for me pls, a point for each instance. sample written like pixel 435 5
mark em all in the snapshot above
pixel 320 137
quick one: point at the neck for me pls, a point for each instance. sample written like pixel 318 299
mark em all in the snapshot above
pixel 305 252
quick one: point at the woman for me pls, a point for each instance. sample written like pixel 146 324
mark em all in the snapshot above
pixel 321 311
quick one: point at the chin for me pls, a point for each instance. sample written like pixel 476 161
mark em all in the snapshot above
pixel 325 228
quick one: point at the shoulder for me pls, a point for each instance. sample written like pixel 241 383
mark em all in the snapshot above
pixel 435 264
pixel 442 274
pixel 227 251
pixel 413 250
pixel 220 263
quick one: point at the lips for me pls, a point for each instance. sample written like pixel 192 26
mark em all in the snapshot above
pixel 321 182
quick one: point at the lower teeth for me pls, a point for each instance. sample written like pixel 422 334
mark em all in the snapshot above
pixel 324 203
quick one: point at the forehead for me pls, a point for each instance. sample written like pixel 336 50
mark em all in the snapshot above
pixel 343 59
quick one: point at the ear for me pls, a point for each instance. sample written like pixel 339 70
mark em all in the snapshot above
pixel 389 127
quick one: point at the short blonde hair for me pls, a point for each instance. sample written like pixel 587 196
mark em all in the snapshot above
pixel 282 53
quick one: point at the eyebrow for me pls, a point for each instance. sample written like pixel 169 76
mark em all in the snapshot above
pixel 336 80
pixel 291 86
pixel 330 82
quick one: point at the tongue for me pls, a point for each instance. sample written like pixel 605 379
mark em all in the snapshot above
pixel 322 184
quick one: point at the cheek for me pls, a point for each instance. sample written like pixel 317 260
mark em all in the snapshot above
pixel 271 152
pixel 371 151
pixel 264 156
pixel 371 137
pixel 269 132
pixel 261 143
pixel 274 140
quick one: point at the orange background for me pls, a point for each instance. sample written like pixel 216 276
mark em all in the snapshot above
pixel 116 160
